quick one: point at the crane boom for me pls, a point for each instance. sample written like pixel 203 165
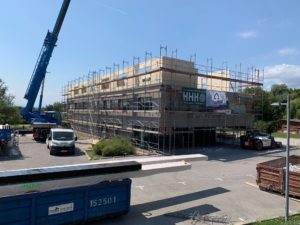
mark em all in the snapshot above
pixel 40 69
pixel 61 17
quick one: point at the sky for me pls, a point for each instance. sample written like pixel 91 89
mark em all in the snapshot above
pixel 98 33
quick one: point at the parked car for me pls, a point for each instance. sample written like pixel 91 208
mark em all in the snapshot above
pixel 61 141
pixel 254 139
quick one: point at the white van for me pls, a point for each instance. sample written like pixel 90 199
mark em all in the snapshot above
pixel 61 141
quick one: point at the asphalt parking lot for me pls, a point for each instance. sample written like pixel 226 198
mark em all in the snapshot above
pixel 29 154
pixel 220 190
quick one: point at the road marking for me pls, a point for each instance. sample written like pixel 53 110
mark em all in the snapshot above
pixel 241 219
pixel 251 184
pixel 140 187
pixel 295 199
pixel 147 214
pixel 250 175
pixel 219 179
pixel 182 182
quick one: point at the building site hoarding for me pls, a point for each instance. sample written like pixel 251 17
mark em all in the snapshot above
pixel 216 99
pixel 202 97
pixel 193 96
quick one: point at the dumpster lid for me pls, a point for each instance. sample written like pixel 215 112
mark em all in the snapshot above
pixel 66 172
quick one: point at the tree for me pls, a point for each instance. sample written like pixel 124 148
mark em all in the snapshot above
pixel 279 92
pixel 5 98
pixel 262 102
pixel 295 108
pixel 9 114
pixel 56 106
pixel 294 93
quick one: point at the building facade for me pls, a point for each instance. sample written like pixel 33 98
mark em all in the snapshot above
pixel 162 103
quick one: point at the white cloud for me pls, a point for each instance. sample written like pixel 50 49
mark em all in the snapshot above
pixel 282 74
pixel 288 51
pixel 247 34
pixel 120 11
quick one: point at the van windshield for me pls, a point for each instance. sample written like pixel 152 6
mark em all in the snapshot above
pixel 63 136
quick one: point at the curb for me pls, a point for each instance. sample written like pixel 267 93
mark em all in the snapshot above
pixel 87 155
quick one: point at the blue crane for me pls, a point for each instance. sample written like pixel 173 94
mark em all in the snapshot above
pixel 38 76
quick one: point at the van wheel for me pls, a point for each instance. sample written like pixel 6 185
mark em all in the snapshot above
pixel 73 151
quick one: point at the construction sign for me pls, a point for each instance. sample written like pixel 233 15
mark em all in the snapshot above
pixel 216 99
pixel 194 96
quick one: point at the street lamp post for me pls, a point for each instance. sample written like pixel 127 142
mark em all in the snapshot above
pixel 287 163
pixel 287 158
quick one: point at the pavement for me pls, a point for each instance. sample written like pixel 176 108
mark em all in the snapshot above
pixel 30 154
pixel 221 190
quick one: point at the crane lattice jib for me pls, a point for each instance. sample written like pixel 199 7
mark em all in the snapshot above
pixel 40 69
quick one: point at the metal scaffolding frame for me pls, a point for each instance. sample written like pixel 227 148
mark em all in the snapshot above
pixel 140 102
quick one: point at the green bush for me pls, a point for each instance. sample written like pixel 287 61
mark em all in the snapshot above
pixel 268 127
pixel 114 147
pixel 98 147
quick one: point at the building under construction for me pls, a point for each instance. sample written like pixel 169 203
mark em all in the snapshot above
pixel 163 103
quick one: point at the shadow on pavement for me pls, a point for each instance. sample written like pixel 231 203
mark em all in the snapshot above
pixel 11 153
pixel 141 214
pixel 228 153
pixel 78 152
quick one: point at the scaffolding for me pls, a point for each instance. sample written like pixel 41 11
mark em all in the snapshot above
pixel 143 102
